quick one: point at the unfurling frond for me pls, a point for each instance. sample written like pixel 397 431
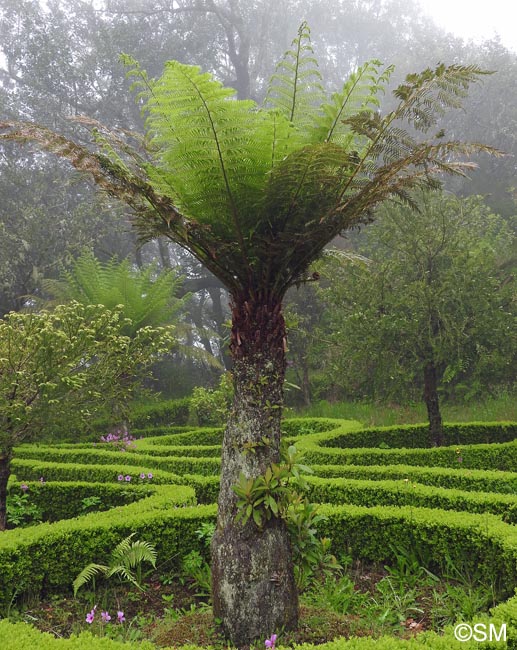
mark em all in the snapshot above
pixel 295 88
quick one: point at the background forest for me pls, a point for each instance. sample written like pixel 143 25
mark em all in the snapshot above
pixel 414 290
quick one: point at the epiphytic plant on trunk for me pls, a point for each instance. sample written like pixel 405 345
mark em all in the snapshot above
pixel 255 193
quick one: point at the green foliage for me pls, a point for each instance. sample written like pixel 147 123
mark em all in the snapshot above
pixel 436 289
pixel 56 367
pixel 278 494
pixel 197 569
pixel 211 406
pixel 125 563
pixel 272 494
pixel 90 503
pixel 147 297
pixel 337 594
pixel 20 510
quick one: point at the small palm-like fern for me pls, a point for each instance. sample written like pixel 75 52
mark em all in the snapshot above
pixel 125 562
pixel 147 297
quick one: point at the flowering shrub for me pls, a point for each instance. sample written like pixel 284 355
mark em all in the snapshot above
pixel 141 477
pixel 119 439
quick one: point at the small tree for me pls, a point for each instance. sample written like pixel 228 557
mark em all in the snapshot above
pixel 256 194
pixel 62 367
pixel 430 307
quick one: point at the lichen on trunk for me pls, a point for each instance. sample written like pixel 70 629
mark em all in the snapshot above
pixel 253 586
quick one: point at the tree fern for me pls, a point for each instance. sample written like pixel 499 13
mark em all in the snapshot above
pixel 147 297
pixel 224 179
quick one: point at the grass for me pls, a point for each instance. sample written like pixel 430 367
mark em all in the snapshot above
pixel 503 407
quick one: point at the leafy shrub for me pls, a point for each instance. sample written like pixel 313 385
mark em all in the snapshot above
pixel 21 510
pixel 211 406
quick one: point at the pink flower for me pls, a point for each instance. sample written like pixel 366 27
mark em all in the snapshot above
pixel 270 643
pixel 149 475
pixel 142 475
pixel 105 617
pixel 120 477
pixel 24 487
pixel 127 478
pixel 120 617
pixel 91 615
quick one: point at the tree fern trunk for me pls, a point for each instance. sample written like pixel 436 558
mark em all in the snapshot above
pixel 253 587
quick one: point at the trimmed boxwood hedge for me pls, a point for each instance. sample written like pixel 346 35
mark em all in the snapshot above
pixel 33 470
pixel 63 500
pixel 128 458
pixel 501 456
pixel 461 479
pixel 50 555
pixel 408 493
pixel 19 636
pixel 417 435
pixel 380 514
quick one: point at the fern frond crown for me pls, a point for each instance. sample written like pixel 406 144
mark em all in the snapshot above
pixel 295 89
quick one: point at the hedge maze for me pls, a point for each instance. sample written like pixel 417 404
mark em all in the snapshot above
pixel 379 488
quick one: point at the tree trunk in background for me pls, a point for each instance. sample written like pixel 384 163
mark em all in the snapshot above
pixel 306 383
pixel 5 471
pixel 219 318
pixel 432 403
pixel 253 587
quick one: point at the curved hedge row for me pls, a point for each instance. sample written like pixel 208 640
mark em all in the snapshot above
pixel 458 502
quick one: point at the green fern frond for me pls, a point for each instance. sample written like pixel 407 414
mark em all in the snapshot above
pixel 425 96
pixel 358 95
pixel 120 550
pixel 124 574
pixel 306 184
pixel 295 88
pixel 147 297
pixel 87 574
pixel 138 552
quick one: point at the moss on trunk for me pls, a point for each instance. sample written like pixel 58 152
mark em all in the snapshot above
pixel 253 586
